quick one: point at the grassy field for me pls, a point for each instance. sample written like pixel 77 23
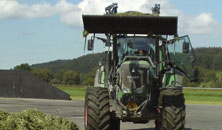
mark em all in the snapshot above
pixel 192 96
pixel 198 96
pixel 76 92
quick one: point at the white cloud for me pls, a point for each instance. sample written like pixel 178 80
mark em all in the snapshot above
pixel 71 13
pixel 38 10
pixel 201 24
pixel 13 9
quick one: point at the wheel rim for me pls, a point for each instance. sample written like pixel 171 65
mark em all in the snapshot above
pixel 86 115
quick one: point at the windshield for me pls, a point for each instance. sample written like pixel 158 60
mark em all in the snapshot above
pixel 135 46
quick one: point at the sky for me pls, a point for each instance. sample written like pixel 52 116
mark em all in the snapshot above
pixel 40 31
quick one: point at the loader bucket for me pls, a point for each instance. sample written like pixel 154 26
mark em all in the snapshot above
pixel 130 24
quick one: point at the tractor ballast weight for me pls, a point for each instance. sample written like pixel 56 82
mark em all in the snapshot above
pixel 130 24
pixel 141 79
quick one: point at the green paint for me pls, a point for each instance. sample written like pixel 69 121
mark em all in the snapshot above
pixel 120 94
pixel 102 77
pixel 168 79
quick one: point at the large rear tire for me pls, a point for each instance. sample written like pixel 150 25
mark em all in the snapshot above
pixel 173 112
pixel 97 110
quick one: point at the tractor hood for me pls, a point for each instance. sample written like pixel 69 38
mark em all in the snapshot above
pixel 157 25
pixel 135 75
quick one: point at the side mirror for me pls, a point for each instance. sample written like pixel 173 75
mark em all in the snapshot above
pixel 186 47
pixel 91 44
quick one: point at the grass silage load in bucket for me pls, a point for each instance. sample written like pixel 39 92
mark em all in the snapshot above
pixel 32 119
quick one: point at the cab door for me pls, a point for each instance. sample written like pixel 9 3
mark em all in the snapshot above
pixel 181 54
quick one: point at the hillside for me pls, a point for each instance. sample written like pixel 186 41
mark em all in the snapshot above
pixel 209 58
pixel 83 64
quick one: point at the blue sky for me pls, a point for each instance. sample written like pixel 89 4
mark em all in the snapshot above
pixel 40 31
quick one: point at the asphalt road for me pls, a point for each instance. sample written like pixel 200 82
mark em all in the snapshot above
pixel 199 117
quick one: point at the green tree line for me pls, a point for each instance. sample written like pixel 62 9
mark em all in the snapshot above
pixel 83 64
pixel 68 77
pixel 81 71
pixel 209 57
pixel 207 78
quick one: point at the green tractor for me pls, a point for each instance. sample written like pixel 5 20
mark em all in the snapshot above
pixel 142 73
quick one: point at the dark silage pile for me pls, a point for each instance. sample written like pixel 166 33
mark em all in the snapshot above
pixel 32 119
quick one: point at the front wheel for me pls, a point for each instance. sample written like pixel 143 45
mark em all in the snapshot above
pixel 97 110
pixel 173 112
pixel 173 118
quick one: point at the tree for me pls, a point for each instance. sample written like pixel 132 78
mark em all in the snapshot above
pixel 89 80
pixel 55 81
pixel 90 77
pixel 44 74
pixel 210 76
pixel 58 77
pixel 218 84
pixel 24 67
pixel 71 78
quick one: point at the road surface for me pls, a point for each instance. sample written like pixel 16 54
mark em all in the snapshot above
pixel 199 117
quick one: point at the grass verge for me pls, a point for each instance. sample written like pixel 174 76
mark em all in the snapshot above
pixel 199 96
pixel 75 92
pixel 196 96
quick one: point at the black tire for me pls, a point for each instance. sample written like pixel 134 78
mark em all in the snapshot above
pixel 97 110
pixel 173 118
pixel 173 112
